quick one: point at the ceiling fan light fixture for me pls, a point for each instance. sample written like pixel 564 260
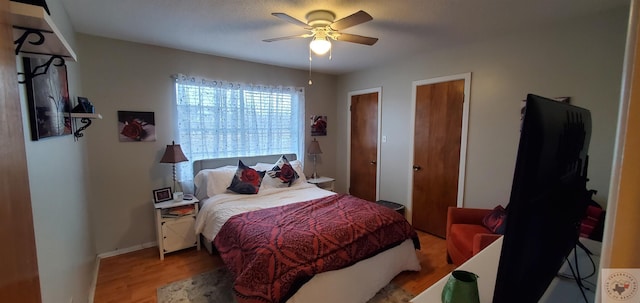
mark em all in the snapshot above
pixel 320 45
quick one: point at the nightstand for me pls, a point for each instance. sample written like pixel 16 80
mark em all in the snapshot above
pixel 324 183
pixel 175 225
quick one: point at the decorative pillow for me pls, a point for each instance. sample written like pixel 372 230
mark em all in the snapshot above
pixel 496 220
pixel 283 170
pixel 246 180
pixel 591 221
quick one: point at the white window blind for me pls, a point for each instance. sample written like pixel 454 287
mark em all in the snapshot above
pixel 218 119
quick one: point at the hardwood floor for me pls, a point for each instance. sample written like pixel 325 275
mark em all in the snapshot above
pixel 135 276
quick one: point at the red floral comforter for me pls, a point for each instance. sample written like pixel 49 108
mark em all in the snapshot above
pixel 272 252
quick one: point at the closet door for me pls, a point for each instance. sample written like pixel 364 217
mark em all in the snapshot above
pixel 19 280
pixel 436 154
pixel 364 146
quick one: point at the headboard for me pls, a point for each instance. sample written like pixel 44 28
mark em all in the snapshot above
pixel 199 165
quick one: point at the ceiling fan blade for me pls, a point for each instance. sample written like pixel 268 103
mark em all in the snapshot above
pixel 287 37
pixel 357 39
pixel 292 20
pixel 351 20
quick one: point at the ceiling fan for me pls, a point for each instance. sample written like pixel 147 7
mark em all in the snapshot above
pixel 323 28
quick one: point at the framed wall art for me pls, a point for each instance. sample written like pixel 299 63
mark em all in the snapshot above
pixel 318 125
pixel 47 97
pixel 136 126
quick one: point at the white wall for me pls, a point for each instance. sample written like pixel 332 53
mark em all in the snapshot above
pixel 60 200
pixel 120 75
pixel 580 58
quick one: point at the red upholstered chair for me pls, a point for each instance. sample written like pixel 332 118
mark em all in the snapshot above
pixel 466 235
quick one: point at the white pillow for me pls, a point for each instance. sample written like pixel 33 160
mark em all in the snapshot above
pixel 262 166
pixel 297 166
pixel 211 182
pixel 267 181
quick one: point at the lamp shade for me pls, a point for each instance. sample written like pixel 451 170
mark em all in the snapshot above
pixel 173 154
pixel 314 148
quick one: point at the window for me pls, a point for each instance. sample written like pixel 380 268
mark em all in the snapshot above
pixel 218 119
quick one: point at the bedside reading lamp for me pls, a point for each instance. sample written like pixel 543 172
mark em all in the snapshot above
pixel 314 150
pixel 173 154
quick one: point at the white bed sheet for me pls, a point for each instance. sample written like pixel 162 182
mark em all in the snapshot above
pixel 216 210
pixel 354 284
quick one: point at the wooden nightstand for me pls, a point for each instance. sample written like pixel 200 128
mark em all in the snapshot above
pixel 324 183
pixel 175 225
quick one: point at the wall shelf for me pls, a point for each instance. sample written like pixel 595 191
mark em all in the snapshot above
pixel 85 115
pixel 85 118
pixel 35 33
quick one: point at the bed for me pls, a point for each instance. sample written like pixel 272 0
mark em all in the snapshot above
pixel 220 210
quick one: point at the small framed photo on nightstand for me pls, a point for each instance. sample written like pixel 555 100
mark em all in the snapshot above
pixel 162 194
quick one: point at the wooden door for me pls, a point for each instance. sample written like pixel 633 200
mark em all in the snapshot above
pixel 364 146
pixel 436 154
pixel 19 280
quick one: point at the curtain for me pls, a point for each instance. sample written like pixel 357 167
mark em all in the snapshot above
pixel 218 119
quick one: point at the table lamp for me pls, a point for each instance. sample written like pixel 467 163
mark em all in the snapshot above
pixel 314 150
pixel 173 154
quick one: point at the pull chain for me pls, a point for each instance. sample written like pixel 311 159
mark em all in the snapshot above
pixel 310 82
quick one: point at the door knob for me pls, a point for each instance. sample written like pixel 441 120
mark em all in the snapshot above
pixel 416 168
pixel 372 162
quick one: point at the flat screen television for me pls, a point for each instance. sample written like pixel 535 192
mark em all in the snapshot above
pixel 548 198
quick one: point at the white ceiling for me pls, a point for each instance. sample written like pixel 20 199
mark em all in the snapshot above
pixel 236 28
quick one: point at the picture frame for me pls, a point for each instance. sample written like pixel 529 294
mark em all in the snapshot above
pixel 84 106
pixel 162 194
pixel 318 125
pixel 136 126
pixel 47 97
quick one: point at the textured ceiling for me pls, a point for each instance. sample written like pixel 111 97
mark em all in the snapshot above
pixel 236 28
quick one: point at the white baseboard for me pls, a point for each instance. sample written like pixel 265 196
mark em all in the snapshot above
pixel 127 250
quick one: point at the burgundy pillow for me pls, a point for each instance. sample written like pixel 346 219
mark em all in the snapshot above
pixel 246 180
pixel 496 220
pixel 590 221
pixel 284 171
